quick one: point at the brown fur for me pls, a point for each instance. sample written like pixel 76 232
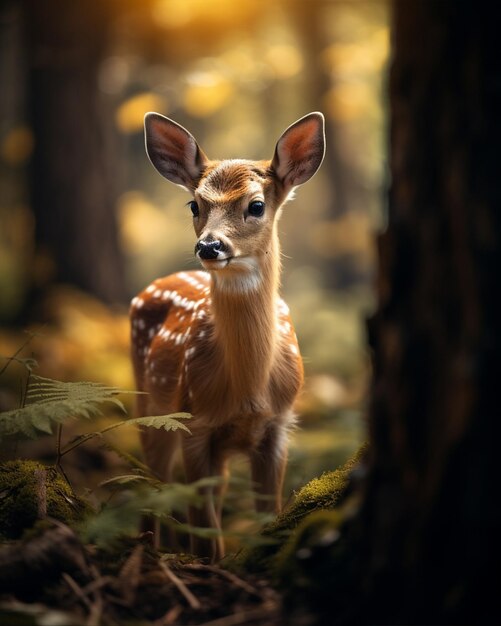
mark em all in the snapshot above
pixel 220 345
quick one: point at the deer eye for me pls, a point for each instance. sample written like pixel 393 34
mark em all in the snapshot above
pixel 194 208
pixel 256 208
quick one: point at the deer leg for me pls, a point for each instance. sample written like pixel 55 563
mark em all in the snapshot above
pixel 159 450
pixel 201 461
pixel 268 463
pixel 220 490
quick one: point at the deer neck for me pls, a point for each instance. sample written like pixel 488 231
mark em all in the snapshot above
pixel 245 318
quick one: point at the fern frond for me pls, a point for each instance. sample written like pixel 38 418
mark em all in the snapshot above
pixel 167 422
pixel 50 402
pixel 129 458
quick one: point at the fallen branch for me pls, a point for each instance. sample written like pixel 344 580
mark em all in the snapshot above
pixel 190 598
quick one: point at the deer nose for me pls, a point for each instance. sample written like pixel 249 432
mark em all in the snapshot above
pixel 208 249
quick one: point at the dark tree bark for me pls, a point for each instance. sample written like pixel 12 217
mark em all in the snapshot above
pixel 430 516
pixel 73 174
pixel 424 544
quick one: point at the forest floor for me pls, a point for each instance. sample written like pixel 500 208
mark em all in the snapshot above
pixel 55 579
pixel 58 578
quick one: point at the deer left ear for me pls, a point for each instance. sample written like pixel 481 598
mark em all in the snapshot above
pixel 300 151
pixel 173 151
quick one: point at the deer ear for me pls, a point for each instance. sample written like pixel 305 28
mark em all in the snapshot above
pixel 173 151
pixel 300 151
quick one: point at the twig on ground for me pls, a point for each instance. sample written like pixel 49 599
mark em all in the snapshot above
pixel 170 617
pixel 77 590
pixel 190 598
pixel 226 574
pixel 243 617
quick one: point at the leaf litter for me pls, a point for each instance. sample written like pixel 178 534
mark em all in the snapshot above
pixel 53 573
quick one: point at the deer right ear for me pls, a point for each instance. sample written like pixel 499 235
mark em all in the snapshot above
pixel 300 151
pixel 173 151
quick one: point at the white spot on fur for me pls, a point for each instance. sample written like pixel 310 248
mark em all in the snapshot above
pixel 293 348
pixel 283 309
pixel 150 289
pixel 141 324
pixel 284 328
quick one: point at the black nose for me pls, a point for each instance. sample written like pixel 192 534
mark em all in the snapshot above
pixel 208 249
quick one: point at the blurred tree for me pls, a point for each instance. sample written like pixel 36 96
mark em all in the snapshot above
pixel 347 186
pixel 424 546
pixel 308 19
pixel 74 172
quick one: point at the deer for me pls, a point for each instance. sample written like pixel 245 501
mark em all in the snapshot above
pixel 218 342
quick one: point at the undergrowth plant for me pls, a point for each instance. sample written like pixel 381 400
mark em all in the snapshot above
pixel 47 405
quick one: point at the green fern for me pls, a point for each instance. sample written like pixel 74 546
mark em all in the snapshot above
pixel 49 402
pixel 141 495
pixel 167 422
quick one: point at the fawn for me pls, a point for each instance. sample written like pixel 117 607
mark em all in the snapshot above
pixel 219 343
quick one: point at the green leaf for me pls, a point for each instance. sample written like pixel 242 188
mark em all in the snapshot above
pixel 125 479
pixel 167 422
pixel 43 423
pixel 129 458
pixel 50 402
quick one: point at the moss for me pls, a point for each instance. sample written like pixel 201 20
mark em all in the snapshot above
pixel 292 565
pixel 320 494
pixel 19 503
pixel 317 566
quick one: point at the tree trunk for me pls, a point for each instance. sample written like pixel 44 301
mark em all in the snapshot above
pixel 431 520
pixel 73 175
pixel 424 544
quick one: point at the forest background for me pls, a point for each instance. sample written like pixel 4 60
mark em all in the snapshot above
pixel 85 221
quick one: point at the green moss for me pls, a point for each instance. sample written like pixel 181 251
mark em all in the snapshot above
pixel 320 494
pixel 320 528
pixel 19 504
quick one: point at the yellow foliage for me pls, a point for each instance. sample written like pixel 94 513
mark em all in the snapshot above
pixel 178 14
pixel 17 145
pixel 206 92
pixel 362 57
pixel 285 60
pixel 150 231
pixel 130 114
pixel 348 101
pixel 351 234
pixel 173 13
pixel 141 222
